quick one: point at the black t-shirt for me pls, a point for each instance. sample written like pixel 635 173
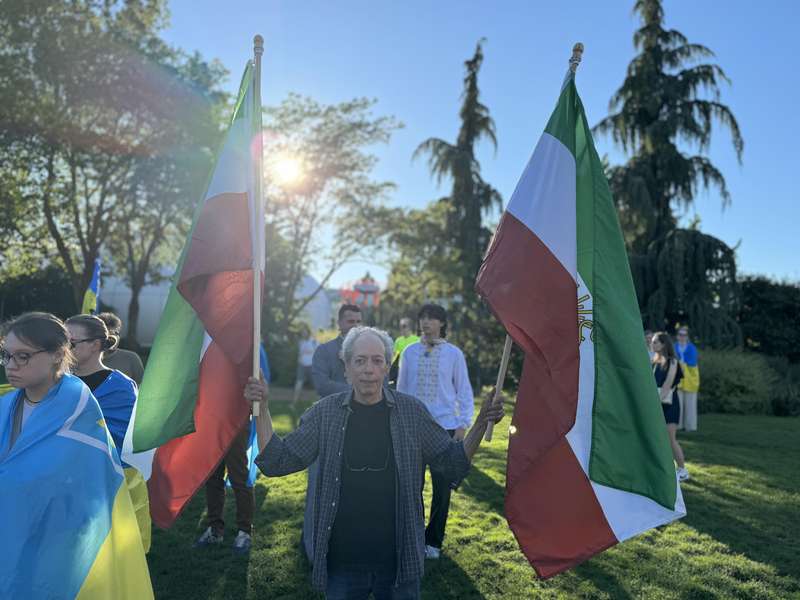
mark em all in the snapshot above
pixel 93 380
pixel 363 535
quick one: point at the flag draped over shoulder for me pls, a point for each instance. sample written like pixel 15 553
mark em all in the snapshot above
pixel 589 461
pixel 91 297
pixel 69 529
pixel 190 405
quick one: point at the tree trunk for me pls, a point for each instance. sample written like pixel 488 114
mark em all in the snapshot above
pixel 133 318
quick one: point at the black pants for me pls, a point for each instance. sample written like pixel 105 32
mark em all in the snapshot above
pixel 440 507
pixel 238 470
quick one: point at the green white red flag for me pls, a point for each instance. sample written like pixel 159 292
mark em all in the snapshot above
pixel 190 405
pixel 589 461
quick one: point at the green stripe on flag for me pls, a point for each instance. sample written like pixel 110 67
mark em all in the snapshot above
pixel 630 450
pixel 562 122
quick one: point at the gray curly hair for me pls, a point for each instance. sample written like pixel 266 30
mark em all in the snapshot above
pixel 356 332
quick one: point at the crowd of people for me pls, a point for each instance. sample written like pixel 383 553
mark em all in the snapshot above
pixel 386 411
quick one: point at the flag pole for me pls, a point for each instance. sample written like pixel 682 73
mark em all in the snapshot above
pixel 258 50
pixel 498 386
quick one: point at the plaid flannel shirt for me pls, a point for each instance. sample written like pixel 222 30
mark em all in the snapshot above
pixel 417 440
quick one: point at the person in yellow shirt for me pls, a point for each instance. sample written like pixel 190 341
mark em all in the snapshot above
pixel 690 384
pixel 405 339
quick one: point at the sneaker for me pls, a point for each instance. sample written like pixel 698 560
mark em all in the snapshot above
pixel 209 538
pixel 683 474
pixel 242 543
pixel 432 553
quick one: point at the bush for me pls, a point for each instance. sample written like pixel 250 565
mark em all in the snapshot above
pixel 732 381
pixel 786 397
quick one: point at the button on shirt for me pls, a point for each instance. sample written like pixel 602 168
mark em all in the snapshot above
pixel 438 377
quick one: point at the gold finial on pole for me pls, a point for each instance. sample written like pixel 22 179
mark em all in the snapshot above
pixel 577 54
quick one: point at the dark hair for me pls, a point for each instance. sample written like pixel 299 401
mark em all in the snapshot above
pixel 668 351
pixel 433 311
pixel 96 329
pixel 112 321
pixel 348 307
pixel 45 331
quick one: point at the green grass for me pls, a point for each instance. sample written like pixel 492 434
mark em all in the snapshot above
pixel 739 540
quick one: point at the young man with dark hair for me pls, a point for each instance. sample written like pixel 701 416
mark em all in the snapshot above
pixel 435 371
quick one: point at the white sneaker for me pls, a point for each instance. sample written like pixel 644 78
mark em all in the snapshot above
pixel 209 538
pixel 242 543
pixel 432 553
pixel 683 474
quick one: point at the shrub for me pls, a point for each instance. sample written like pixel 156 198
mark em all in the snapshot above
pixel 786 395
pixel 733 381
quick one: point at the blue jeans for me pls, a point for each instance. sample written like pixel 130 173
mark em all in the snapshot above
pixel 345 584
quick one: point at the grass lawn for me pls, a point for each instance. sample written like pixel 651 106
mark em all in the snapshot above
pixel 739 540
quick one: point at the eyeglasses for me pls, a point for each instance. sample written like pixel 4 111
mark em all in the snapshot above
pixel 73 343
pixel 367 469
pixel 20 358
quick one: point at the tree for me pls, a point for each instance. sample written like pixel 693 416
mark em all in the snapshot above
pixel 770 318
pixel 323 207
pixel 84 98
pixel 169 179
pixel 664 102
pixel 471 197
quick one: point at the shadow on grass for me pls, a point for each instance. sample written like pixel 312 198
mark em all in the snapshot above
pixel 444 578
pixel 750 504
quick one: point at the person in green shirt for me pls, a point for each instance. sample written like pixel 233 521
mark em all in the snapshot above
pixel 405 339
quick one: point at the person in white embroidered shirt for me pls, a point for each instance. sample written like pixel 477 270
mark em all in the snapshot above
pixel 435 372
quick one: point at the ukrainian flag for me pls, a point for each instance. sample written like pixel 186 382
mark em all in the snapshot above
pixel 69 529
pixel 92 295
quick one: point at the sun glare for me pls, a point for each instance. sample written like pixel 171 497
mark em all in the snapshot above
pixel 286 170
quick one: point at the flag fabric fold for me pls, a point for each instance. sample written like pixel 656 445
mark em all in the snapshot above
pixel 75 534
pixel 190 405
pixel 589 461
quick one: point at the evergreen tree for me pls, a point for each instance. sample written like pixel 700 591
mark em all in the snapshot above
pixel 668 98
pixel 471 196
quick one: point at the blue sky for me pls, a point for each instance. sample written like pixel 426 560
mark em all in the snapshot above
pixel 409 56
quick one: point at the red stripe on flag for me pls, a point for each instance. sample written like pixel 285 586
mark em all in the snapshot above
pixel 217 276
pixel 550 504
pixel 553 511
pixel 535 299
pixel 183 464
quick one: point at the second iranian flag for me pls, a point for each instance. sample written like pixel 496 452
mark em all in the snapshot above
pixel 589 461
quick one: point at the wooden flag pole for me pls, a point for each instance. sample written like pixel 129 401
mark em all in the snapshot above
pixel 258 50
pixel 498 386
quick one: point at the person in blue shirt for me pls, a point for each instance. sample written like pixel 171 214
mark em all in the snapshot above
pixel 116 394
pixel 239 466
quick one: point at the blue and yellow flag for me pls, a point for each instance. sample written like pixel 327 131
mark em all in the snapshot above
pixel 69 526
pixel 92 296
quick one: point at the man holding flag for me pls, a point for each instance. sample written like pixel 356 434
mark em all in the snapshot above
pixel 589 462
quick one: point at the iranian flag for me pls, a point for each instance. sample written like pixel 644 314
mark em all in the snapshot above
pixel 589 460
pixel 191 405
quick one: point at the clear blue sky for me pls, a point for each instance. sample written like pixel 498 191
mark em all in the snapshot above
pixel 409 56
